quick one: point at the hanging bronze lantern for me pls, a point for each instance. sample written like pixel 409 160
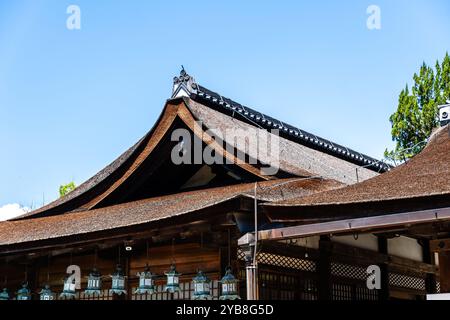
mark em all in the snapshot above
pixel 202 287
pixel 94 285
pixel 146 283
pixel 69 288
pixel 229 286
pixel 173 280
pixel 4 295
pixel 24 293
pixel 46 293
pixel 118 281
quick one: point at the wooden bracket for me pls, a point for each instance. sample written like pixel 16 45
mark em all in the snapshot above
pixel 440 245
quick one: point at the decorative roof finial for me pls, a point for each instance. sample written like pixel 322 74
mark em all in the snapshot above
pixel 444 114
pixel 183 85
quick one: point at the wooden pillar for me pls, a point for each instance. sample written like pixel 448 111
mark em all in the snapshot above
pixel 324 268
pixel 384 292
pixel 442 247
pixel 444 271
pixel 428 257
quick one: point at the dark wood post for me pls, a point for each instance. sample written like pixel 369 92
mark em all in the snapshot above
pixel 384 292
pixel 428 257
pixel 324 268
pixel 442 247
pixel 444 271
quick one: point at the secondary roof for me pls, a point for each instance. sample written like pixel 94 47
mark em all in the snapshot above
pixel 420 183
pixel 144 212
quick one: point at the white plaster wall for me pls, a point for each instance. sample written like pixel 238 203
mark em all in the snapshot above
pixel 363 241
pixel 405 247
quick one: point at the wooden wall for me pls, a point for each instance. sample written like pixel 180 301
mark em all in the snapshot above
pixel 187 257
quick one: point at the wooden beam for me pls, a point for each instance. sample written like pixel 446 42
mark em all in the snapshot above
pixel 350 226
pixel 411 265
pixel 357 255
pixel 440 245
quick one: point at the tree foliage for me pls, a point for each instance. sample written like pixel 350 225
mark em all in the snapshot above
pixel 417 111
pixel 66 188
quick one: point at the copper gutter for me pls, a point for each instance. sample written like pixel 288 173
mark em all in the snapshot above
pixel 367 224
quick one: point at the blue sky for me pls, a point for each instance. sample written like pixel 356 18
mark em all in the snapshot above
pixel 71 101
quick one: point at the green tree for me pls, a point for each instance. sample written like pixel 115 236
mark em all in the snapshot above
pixel 66 188
pixel 417 113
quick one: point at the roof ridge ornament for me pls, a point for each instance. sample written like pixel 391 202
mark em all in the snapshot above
pixel 184 85
pixel 444 113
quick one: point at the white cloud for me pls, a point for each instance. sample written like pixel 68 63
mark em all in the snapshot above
pixel 9 211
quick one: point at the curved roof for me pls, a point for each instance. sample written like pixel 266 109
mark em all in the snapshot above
pixel 302 154
pixel 88 195
pixel 151 210
pixel 295 134
pixel 293 157
pixel 422 182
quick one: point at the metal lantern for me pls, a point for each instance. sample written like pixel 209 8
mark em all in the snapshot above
pixel 4 295
pixel 69 288
pixel 173 280
pixel 118 281
pixel 229 286
pixel 94 285
pixel 24 293
pixel 46 293
pixel 202 287
pixel 146 283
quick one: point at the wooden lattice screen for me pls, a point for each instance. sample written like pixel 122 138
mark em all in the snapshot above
pixel 283 277
pixel 292 276
pixel 348 282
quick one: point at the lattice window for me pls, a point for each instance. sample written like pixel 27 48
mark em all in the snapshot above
pixel 355 288
pixel 286 262
pixel 283 261
pixel 341 292
pixel 240 255
pixel 310 291
pixel 346 292
pixel 364 293
pixel 348 271
pixel 275 286
pixel 405 281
